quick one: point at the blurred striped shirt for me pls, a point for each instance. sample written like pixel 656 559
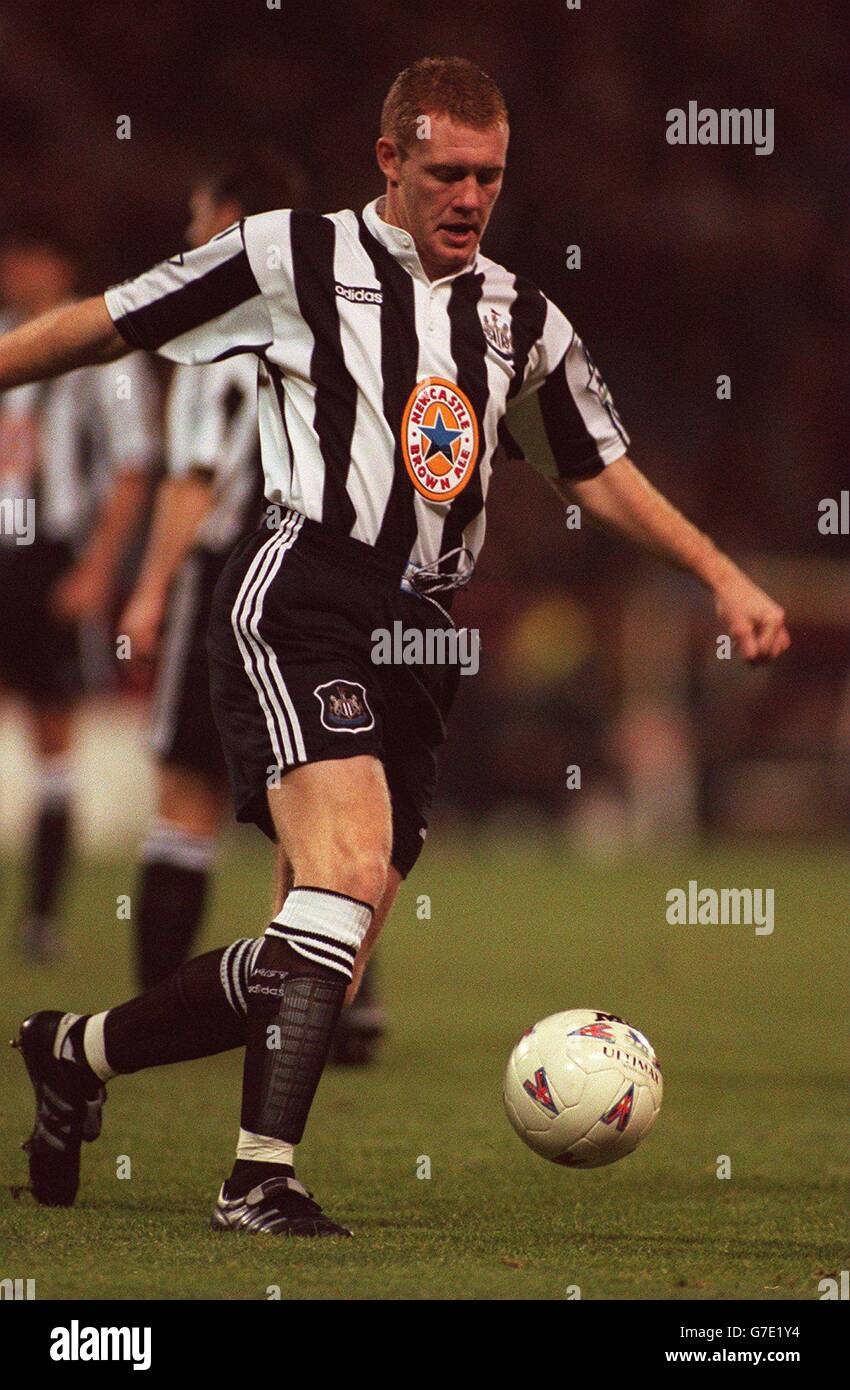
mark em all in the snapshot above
pixel 211 425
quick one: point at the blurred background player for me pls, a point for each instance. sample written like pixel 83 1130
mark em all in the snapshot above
pixel 211 498
pixel 74 459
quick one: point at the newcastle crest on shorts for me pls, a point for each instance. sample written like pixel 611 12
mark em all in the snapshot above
pixel 345 708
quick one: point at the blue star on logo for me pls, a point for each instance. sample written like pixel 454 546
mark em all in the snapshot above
pixel 440 438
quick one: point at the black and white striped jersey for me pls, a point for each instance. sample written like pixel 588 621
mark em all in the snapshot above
pixel 211 424
pixel 62 440
pixel 382 394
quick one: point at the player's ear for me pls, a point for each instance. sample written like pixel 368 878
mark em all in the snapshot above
pixel 389 159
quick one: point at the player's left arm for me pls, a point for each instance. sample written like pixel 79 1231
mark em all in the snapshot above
pixel 623 501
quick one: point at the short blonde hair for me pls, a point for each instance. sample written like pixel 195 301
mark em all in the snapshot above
pixel 453 87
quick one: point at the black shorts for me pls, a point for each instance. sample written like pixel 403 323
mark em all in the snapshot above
pixel 292 676
pixel 183 732
pixel 39 652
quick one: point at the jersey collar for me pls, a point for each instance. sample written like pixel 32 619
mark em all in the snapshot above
pixel 401 245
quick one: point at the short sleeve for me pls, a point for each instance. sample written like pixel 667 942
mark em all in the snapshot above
pixel 182 409
pixel 215 414
pixel 199 306
pixel 563 420
pixel 212 414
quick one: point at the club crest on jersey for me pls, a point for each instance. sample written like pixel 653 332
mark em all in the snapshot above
pixel 345 708
pixel 497 331
pixel 538 1089
pixel 439 439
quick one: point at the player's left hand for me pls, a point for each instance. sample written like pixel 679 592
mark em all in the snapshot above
pixel 81 595
pixel 753 620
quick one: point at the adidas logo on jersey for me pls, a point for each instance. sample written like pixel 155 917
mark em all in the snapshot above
pixel 358 294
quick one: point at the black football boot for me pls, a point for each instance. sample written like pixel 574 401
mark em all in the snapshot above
pixel 68 1106
pixel 277 1207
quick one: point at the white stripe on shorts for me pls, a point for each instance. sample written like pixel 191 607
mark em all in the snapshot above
pixel 180 624
pixel 256 653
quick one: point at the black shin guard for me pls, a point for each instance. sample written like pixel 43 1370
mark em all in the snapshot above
pixel 293 1008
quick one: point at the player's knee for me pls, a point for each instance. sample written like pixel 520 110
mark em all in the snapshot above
pixel 363 872
pixel 357 869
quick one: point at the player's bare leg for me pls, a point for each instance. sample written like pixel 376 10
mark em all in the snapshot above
pixel 363 1020
pixel 52 731
pixel 176 860
pixel 334 824
pixel 370 940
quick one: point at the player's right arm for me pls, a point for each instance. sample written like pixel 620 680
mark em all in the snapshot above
pixel 76 335
pixel 200 306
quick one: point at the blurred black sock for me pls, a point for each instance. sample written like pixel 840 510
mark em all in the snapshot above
pixel 172 895
pixel 49 858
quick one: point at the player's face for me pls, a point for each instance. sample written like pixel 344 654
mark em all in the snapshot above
pixel 443 190
pixel 208 216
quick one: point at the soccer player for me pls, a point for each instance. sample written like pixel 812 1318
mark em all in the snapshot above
pixel 391 352
pixel 74 460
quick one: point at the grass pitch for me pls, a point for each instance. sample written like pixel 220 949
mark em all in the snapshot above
pixel 749 1030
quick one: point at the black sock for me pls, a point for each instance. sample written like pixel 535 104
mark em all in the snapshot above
pixel 197 1012
pixel 51 842
pixel 171 896
pixel 247 1174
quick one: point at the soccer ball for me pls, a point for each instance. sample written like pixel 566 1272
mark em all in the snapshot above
pixel 582 1088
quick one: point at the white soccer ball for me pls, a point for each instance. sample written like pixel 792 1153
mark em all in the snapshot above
pixel 582 1088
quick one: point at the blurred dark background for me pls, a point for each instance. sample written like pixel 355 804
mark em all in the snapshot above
pixel 695 261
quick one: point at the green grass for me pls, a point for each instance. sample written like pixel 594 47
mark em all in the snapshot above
pixel 749 1030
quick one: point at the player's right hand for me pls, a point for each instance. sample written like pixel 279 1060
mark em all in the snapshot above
pixel 754 621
